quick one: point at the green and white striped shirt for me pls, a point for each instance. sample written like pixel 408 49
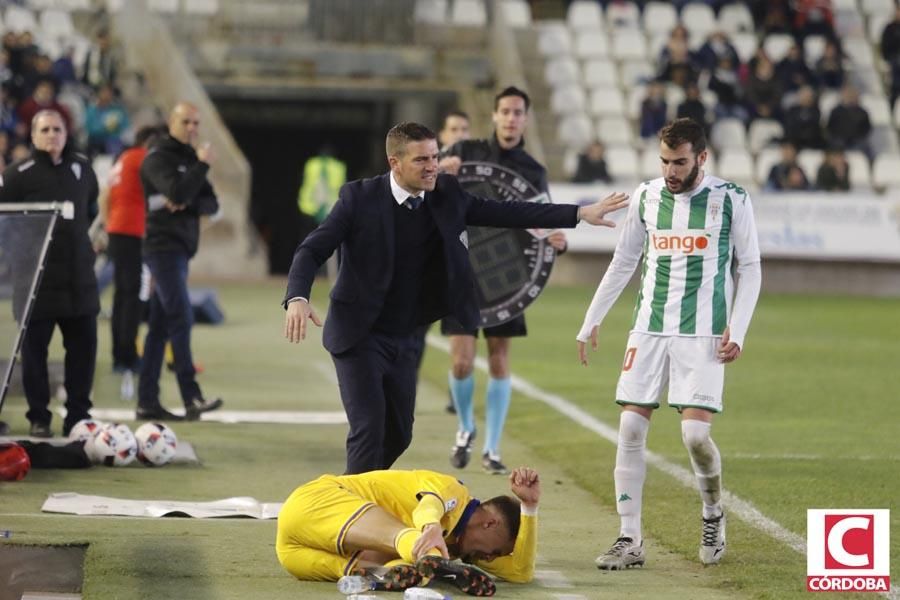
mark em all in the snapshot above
pixel 688 243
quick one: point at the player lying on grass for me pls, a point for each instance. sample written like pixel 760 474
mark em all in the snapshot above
pixel 403 528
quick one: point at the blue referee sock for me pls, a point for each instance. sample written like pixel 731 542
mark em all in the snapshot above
pixel 499 392
pixel 461 390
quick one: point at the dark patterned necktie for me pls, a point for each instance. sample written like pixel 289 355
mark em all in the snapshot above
pixel 413 202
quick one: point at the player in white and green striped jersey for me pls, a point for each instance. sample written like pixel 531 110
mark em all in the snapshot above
pixel 689 321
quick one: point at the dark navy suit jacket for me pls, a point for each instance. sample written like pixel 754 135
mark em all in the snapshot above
pixel 362 225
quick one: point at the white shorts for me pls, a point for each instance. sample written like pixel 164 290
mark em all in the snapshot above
pixel 688 365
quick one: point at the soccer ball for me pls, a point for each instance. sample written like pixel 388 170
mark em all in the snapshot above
pixel 156 444
pixel 113 445
pixel 84 430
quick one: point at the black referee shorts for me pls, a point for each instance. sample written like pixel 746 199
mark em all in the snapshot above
pixel 512 328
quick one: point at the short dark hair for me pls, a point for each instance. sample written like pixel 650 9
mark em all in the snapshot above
pixel 684 131
pixel 510 510
pixel 148 134
pixel 403 133
pixel 512 91
pixel 456 113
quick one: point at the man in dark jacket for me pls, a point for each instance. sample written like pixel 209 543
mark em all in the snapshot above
pixel 507 149
pixel 404 263
pixel 67 296
pixel 177 193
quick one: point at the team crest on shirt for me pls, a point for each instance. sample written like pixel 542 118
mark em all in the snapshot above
pixel 714 209
pixel 76 169
pixel 450 505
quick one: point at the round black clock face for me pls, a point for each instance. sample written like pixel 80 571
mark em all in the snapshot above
pixel 511 265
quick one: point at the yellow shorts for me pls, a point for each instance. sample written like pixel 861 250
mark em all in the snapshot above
pixel 318 515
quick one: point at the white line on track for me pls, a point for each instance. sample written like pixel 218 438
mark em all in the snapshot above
pixel 741 508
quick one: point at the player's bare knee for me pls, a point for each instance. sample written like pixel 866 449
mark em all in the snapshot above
pixel 462 367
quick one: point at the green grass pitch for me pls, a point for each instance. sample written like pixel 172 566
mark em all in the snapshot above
pixel 812 420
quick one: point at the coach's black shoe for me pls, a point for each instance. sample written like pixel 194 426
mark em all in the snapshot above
pixel 391 579
pixel 462 449
pixel 156 413
pixel 4 428
pixel 467 578
pixel 199 406
pixel 41 430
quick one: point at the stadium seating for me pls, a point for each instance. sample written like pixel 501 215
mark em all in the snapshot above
pixel 468 13
pixel 699 19
pixel 629 44
pixel 886 171
pixel 622 163
pixel 517 13
pixel 561 71
pixel 568 99
pixel 615 131
pixel 600 73
pixel 858 163
pixel 432 12
pixel 591 43
pixel 607 102
pixel 659 17
pixel 735 17
pixel 735 164
pixel 762 133
pixel 554 40
pixel 585 14
pixel 575 130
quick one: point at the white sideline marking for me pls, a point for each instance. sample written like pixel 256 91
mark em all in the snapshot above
pixel 789 456
pixel 741 508
pixel 569 597
pixel 237 416
pixel 552 579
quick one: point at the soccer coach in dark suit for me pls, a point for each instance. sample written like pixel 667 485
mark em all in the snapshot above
pixel 404 263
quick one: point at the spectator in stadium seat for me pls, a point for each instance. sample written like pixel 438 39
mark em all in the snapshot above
pixel 43 98
pixel 830 66
pixel 793 72
pixel 849 125
pixel 834 172
pixel 178 193
pixel 106 121
pixel 653 110
pixel 404 263
pixel 693 108
pixel 678 67
pixel 723 81
pixel 802 121
pixel 455 129
pixel 67 297
pixel 715 48
pixel 101 63
pixel 890 51
pixel 64 67
pixel 772 16
pixel 506 147
pixel 405 524
pixel 813 17
pixel 787 174
pixel 592 165
pixel 763 91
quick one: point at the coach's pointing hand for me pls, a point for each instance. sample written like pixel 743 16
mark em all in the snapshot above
pixel 298 313
pixel 594 213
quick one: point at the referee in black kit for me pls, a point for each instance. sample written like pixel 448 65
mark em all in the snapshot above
pixel 507 149
pixel 67 296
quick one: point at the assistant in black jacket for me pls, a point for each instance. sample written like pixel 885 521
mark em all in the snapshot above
pixel 177 193
pixel 401 266
pixel 67 296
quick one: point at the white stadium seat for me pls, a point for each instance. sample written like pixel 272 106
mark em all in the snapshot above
pixel 650 167
pixel 745 44
pixel 201 7
pixel 629 44
pixel 897 115
pixel 699 19
pixel 766 159
pixel 859 169
pixel 877 107
pixel 624 15
pixel 809 161
pixel 877 7
pixel 517 13
pixel 567 99
pixel 163 6
pixel 777 46
pixel 659 17
pixel 877 24
pixel 859 50
pixel 554 39
pixel 886 171
pixel 469 13
pixel 432 12
pixel 736 17
pixel 591 43
pixel 736 165
pixel 561 71
pixel 813 49
pixel 728 133
pixel 600 73
pixel 837 5
pixel 827 101
pixel 636 95
pixel 19 19
pixel 570 162
pixel 57 23
pixel 575 130
pixel 585 14
pixel 615 131
pixel 607 102
pixel 763 132
pixel 622 163
pixel 636 72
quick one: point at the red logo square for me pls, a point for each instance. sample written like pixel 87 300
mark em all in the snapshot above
pixel 849 541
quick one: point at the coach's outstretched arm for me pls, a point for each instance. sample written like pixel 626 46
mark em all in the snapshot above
pixel 594 213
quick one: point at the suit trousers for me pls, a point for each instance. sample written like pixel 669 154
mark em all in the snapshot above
pixel 377 379
pixel 125 252
pixel 171 319
pixel 80 342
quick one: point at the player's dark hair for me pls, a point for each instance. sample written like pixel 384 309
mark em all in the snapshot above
pixel 404 133
pixel 456 113
pixel 148 134
pixel 510 510
pixel 512 91
pixel 684 131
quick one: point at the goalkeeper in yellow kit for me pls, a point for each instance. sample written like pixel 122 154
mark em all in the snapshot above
pixel 404 527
